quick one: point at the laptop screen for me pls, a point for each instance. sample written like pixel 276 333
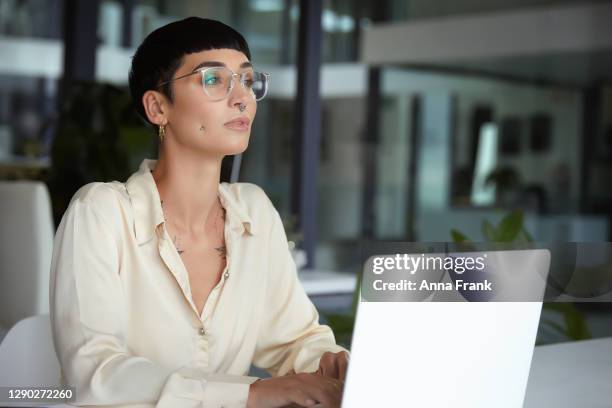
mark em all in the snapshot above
pixel 448 353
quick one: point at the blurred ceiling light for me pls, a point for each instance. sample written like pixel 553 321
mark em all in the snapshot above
pixel 346 23
pixel 337 22
pixel 330 21
pixel 267 5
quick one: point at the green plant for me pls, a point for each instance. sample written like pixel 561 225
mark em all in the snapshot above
pixel 99 137
pixel 511 229
pixel 342 324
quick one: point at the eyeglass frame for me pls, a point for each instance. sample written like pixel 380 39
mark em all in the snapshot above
pixel 202 70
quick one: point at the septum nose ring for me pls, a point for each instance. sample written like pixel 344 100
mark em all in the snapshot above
pixel 241 107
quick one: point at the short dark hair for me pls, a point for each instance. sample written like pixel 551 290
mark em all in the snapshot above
pixel 161 53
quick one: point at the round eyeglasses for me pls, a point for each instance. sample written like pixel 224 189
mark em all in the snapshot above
pixel 218 82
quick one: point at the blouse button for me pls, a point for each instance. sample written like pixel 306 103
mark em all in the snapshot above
pixel 202 331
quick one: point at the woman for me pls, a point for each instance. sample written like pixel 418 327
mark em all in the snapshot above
pixel 165 288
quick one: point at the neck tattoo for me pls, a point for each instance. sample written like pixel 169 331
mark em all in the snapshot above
pixel 221 249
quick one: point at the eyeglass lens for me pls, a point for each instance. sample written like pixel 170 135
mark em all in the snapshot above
pixel 217 82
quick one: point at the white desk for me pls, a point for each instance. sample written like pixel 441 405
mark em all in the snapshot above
pixel 571 375
pixel 567 375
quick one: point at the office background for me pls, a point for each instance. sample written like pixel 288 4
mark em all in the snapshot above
pixel 388 120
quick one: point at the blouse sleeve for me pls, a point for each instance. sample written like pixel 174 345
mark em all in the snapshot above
pixel 88 321
pixel 291 337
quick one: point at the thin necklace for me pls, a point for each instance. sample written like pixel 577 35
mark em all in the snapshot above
pixel 221 249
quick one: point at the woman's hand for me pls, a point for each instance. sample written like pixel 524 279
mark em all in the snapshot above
pixel 304 390
pixel 334 365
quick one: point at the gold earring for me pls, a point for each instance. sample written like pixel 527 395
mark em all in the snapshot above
pixel 162 132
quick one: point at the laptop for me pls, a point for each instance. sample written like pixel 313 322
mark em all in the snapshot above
pixel 458 353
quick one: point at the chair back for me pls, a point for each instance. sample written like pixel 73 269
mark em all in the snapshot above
pixel 26 248
pixel 27 356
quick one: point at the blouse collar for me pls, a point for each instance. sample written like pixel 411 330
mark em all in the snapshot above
pixel 148 214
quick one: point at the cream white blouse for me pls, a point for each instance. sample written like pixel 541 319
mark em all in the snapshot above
pixel 125 328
